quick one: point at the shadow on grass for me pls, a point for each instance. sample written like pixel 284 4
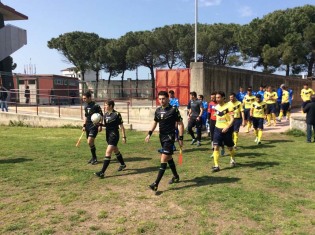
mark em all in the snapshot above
pixel 197 149
pixel 249 155
pixel 259 165
pixel 205 180
pixel 276 141
pixel 134 171
pixel 14 160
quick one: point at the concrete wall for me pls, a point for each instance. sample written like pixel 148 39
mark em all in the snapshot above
pixel 298 122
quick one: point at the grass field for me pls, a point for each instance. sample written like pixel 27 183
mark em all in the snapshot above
pixel 47 187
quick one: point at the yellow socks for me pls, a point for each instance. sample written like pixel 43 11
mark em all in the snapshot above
pixel 216 156
pixel 235 137
pixel 259 135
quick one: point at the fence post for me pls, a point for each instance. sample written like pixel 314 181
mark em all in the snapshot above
pixel 59 105
pixel 128 103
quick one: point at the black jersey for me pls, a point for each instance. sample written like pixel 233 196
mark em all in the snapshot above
pixel 195 106
pixel 167 117
pixel 112 120
pixel 90 109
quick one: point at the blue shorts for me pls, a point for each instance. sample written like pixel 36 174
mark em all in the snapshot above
pixel 237 124
pixel 258 123
pixel 221 139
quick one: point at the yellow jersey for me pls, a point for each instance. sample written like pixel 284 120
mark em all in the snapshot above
pixel 223 115
pixel 248 101
pixel 237 108
pixel 270 97
pixel 259 109
pixel 285 96
pixel 306 94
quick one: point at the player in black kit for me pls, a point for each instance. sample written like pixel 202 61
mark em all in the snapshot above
pixel 166 116
pixel 88 126
pixel 112 121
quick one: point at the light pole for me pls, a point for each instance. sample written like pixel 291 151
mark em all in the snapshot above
pixel 196 23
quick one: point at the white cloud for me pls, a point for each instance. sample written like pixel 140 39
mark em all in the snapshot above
pixel 209 3
pixel 245 11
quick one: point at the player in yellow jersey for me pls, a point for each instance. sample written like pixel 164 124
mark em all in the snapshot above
pixel 238 111
pixel 223 130
pixel 306 94
pixel 270 98
pixel 247 103
pixel 284 107
pixel 258 112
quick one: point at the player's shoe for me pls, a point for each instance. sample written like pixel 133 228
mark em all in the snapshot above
pixel 198 144
pixel 121 167
pixel 90 161
pixel 193 141
pixel 232 163
pixel 153 187
pixel 99 174
pixel 94 162
pixel 174 180
pixel 256 140
pixel 235 147
pixel 215 169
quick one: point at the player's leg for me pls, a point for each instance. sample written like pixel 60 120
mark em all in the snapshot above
pixel 91 141
pixel 198 127
pixel 191 124
pixel 217 142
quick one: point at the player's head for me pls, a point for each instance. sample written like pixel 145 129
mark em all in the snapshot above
pixel 163 98
pixel 87 97
pixel 249 90
pixel 212 96
pixel 200 97
pixel 258 98
pixel 305 86
pixel 193 95
pixel 262 87
pixel 269 88
pixel 220 97
pixel 233 97
pixel 171 93
pixel 109 104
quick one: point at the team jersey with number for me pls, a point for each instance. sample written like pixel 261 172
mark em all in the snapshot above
pixel 270 97
pixel 285 96
pixel 237 108
pixel 248 100
pixel 306 94
pixel 258 109
pixel 223 115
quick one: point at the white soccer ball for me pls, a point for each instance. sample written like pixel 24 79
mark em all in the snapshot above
pixel 96 118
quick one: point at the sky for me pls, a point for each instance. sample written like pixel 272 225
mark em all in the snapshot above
pixel 49 19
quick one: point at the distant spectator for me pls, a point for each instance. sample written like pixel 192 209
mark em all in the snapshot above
pixel 261 92
pixel 241 94
pixel 27 95
pixel 309 109
pixel 3 98
pixel 173 100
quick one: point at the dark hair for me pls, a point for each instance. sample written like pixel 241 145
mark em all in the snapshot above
pixel 258 96
pixel 233 94
pixel 110 103
pixel 87 94
pixel 171 92
pixel 221 93
pixel 163 93
pixel 249 88
pixel 214 93
pixel 201 96
pixel 193 93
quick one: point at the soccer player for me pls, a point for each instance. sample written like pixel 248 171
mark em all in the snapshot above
pixel 112 121
pixel 211 114
pixel 195 110
pixel 306 94
pixel 205 107
pixel 223 130
pixel 258 112
pixel 247 102
pixel 166 116
pixel 175 103
pixel 284 107
pixel 291 98
pixel 271 99
pixel 238 117
pixel 261 91
pixel 240 95
pixel 89 127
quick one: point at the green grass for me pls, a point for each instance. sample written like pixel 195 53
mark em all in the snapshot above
pixel 47 187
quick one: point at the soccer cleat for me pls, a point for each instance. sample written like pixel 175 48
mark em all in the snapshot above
pixel 153 187
pixel 99 174
pixel 198 144
pixel 215 169
pixel 211 156
pixel 256 140
pixel 174 180
pixel 90 161
pixel 121 167
pixel 193 141
pixel 232 163
pixel 235 147
pixel 94 162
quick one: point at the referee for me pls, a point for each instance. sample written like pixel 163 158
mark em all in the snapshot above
pixel 89 127
pixel 166 116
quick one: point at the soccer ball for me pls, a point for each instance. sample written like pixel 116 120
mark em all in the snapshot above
pixel 96 118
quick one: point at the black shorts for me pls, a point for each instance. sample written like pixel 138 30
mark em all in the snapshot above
pixel 237 124
pixel 221 139
pixel 271 108
pixel 247 114
pixel 285 107
pixel 91 131
pixel 167 143
pixel 258 123
pixel 112 137
pixel 305 103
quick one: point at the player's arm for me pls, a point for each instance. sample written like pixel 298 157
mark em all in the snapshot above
pixel 180 133
pixel 123 133
pixel 147 138
pixel 84 124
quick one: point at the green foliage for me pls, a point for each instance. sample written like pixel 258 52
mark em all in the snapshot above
pixel 295 133
pixel 18 123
